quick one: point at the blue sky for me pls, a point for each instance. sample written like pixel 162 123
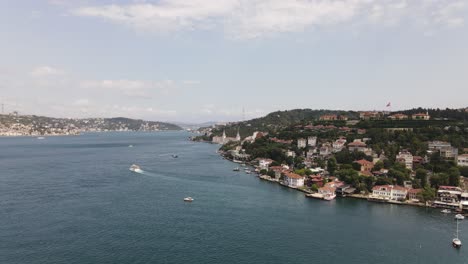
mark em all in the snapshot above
pixel 201 60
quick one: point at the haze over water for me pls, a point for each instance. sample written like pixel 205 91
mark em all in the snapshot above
pixel 73 200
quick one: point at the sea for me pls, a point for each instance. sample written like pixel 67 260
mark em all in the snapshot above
pixel 73 199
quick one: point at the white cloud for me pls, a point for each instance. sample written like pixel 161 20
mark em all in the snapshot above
pixel 258 18
pixel 43 71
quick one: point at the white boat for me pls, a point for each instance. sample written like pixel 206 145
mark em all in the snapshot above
pixel 175 156
pixel 446 211
pixel 188 199
pixel 248 171
pixel 459 217
pixel 135 168
pixel 130 146
pixel 329 197
pixel 236 169
pixel 456 242
pixel 40 137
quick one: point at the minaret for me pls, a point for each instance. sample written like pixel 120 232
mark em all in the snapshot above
pixel 224 136
pixel 238 138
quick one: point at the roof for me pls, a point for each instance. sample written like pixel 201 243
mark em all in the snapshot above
pixel 415 190
pixel 293 175
pixel 364 162
pixel 357 144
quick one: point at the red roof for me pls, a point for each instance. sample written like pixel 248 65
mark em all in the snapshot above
pixel 357 144
pixel 415 190
pixel 293 175
pixel 364 162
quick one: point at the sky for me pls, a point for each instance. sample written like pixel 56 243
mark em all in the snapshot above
pixel 213 60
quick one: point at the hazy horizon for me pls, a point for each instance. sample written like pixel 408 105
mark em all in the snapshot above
pixel 206 60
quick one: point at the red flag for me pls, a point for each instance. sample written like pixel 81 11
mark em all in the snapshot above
pixel 389 104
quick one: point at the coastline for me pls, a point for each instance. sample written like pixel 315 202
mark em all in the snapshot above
pixel 306 192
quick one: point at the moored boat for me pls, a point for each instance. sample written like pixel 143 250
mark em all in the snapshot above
pixel 446 211
pixel 456 242
pixel 459 217
pixel 329 197
pixel 236 169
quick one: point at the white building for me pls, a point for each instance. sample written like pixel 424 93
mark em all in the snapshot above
pixel 339 144
pixel 301 143
pixel 406 158
pixel 263 164
pixel 390 192
pixel 462 160
pixel 357 145
pixel 437 145
pixel 293 180
pixel 312 141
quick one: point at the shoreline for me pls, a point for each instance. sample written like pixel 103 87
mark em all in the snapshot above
pixel 306 192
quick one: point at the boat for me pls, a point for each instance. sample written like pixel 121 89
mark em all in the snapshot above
pixel 329 197
pixel 446 211
pixel 188 199
pixel 130 146
pixel 459 217
pixel 243 164
pixel 248 171
pixel 135 168
pixel 456 242
pixel 40 137
pixel 236 169
pixel 175 156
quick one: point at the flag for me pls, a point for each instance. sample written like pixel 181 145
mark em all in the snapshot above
pixel 389 104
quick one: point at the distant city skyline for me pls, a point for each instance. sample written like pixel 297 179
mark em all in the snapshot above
pixel 206 60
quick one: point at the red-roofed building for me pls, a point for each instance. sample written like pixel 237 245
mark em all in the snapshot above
pixel 413 194
pixel 357 145
pixel 398 117
pixel 328 117
pixel 293 180
pixel 366 166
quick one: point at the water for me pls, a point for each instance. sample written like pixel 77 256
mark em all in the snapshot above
pixel 73 200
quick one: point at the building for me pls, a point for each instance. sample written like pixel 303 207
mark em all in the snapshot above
pixel 413 194
pixel 328 117
pixel 339 144
pixel 449 153
pixel 263 164
pixel 366 166
pixel 405 157
pixel 277 170
pixel 370 115
pixel 326 150
pixel 389 192
pixel 398 117
pixel 462 160
pixel 293 180
pixel 437 145
pixel 421 116
pixel 357 145
pixel 224 139
pixel 448 197
pixel 312 141
pixel 301 143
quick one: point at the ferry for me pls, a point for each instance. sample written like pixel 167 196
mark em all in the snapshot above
pixel 188 199
pixel 135 168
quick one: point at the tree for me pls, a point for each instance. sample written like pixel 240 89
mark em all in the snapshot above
pixel 271 173
pixel 427 194
pixel 421 174
pixel 356 166
pixel 454 176
pixel 314 187
pixel 331 165
pixel 263 172
pixel 378 165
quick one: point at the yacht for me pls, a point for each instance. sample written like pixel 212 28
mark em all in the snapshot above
pixel 456 242
pixel 236 169
pixel 446 211
pixel 459 217
pixel 188 199
pixel 135 168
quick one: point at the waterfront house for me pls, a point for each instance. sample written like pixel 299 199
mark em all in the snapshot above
pixel 264 163
pixel 390 192
pixel 277 170
pixel 293 180
pixel 448 197
pixel 413 194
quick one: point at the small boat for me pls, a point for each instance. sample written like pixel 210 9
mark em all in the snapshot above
pixel 130 146
pixel 243 164
pixel 188 199
pixel 40 137
pixel 456 242
pixel 329 197
pixel 446 211
pixel 248 171
pixel 459 217
pixel 135 168
pixel 175 156
pixel 236 169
